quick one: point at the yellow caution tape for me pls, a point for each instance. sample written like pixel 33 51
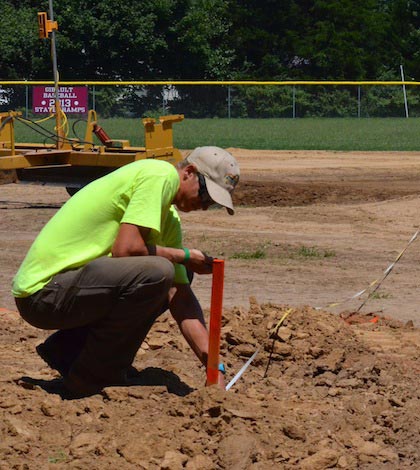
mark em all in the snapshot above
pixel 285 315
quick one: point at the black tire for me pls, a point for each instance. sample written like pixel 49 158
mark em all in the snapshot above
pixel 71 191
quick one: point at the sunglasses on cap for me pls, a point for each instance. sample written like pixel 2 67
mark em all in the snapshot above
pixel 206 200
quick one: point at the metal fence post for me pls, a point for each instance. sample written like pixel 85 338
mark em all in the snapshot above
pixel 404 92
pixel 26 101
pixel 229 102
pixel 358 101
pixel 163 101
pixel 294 101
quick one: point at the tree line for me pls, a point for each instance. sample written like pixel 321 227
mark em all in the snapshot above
pixel 214 40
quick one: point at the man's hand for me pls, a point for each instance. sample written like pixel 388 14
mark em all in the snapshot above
pixel 199 262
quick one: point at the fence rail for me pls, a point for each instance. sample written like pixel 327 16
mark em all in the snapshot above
pixel 210 82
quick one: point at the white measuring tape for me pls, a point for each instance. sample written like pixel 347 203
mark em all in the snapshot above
pixel 242 370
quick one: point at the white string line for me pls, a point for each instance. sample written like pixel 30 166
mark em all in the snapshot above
pixel 376 281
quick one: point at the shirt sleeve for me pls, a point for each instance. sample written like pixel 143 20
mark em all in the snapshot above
pixel 150 199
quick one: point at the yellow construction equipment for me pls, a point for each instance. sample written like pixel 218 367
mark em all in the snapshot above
pixel 73 162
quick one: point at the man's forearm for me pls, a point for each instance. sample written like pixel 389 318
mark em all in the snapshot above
pixel 197 337
pixel 187 312
pixel 175 255
pixel 131 241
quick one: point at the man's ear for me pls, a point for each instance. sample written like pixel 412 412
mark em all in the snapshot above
pixel 189 171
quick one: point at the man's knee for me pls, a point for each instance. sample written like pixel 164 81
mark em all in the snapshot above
pixel 153 278
pixel 163 270
pixel 126 270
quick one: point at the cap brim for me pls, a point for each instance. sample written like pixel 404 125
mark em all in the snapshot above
pixel 220 195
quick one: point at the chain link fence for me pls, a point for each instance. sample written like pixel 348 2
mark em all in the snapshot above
pixel 237 100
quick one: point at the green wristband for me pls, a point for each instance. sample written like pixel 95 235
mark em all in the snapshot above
pixel 187 255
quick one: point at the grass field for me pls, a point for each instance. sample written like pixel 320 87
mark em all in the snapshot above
pixel 397 134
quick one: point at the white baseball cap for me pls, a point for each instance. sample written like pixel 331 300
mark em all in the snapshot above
pixel 221 172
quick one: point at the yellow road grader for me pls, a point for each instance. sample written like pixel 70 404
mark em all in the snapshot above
pixel 74 162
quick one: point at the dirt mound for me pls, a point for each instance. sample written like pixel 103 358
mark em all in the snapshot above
pixel 334 395
pixel 271 191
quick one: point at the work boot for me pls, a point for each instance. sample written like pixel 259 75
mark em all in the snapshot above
pixel 62 348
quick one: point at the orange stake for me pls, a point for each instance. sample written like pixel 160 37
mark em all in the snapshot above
pixel 215 321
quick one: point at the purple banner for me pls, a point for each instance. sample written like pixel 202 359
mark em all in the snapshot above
pixel 73 99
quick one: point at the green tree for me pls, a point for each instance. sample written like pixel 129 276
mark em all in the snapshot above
pixel 20 49
pixel 323 39
pixel 201 37
pixel 403 40
pixel 343 39
pixel 264 36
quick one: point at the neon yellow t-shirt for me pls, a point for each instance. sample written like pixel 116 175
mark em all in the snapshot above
pixel 85 228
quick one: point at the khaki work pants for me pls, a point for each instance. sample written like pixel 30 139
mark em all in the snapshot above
pixel 106 308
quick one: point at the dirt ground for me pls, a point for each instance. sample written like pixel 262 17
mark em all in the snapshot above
pixel 335 387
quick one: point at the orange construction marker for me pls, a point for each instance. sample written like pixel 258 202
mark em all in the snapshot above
pixel 215 321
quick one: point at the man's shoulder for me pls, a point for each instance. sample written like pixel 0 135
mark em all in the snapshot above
pixel 152 163
pixel 152 168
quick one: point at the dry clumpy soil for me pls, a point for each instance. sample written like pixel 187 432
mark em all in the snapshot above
pixel 321 393
pixel 333 386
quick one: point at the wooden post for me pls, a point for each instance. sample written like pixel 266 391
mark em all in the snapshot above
pixel 215 321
